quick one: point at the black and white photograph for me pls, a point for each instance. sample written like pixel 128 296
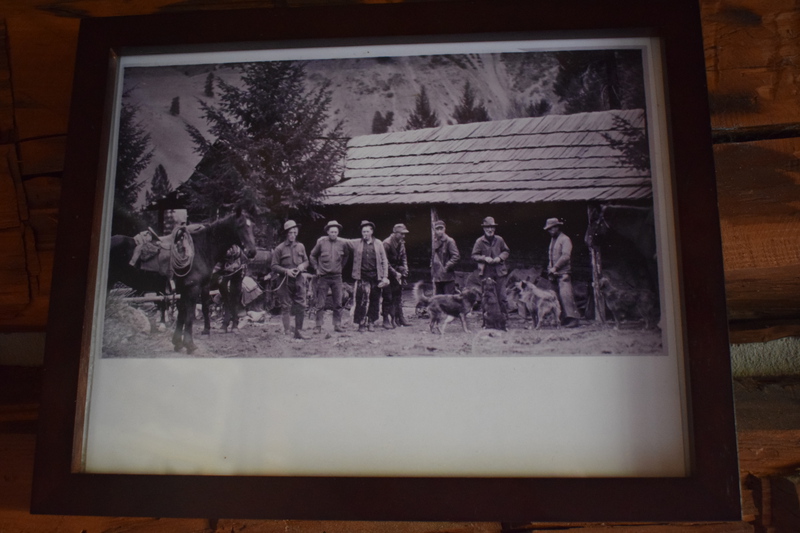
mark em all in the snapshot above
pixel 452 204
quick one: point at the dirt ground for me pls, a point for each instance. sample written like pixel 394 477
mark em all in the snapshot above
pixel 265 338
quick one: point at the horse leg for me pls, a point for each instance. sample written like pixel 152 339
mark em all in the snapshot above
pixel 177 337
pixel 205 304
pixel 191 304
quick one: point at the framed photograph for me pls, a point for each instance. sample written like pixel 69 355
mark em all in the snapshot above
pixel 428 261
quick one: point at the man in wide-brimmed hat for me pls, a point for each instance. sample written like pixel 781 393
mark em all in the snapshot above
pixel 491 253
pixel 444 258
pixel 290 261
pixel 328 257
pixel 371 273
pixel 395 248
pixel 559 270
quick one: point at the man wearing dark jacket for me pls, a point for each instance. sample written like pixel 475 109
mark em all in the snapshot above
pixel 395 247
pixel 444 258
pixel 491 253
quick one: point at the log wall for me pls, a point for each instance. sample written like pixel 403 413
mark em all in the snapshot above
pixel 752 49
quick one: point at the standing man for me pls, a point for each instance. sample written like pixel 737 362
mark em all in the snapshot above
pixel 289 260
pixel 230 287
pixel 491 252
pixel 444 258
pixel 559 269
pixel 371 273
pixel 395 248
pixel 328 257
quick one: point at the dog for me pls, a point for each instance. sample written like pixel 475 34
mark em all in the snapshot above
pixel 444 308
pixel 493 316
pixel 538 303
pixel 624 302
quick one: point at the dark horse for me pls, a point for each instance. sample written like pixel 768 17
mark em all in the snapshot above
pixel 141 281
pixel 210 244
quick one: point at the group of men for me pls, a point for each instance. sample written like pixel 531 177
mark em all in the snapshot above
pixel 380 269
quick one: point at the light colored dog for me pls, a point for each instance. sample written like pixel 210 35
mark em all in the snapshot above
pixel 539 303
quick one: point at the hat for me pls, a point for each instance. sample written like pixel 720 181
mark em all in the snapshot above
pixel 400 228
pixel 551 223
pixel 289 224
pixel 438 224
pixel 367 223
pixel 489 221
pixel 331 224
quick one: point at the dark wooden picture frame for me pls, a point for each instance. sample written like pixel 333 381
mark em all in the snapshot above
pixel 709 492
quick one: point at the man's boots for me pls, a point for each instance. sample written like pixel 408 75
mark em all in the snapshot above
pixel 298 325
pixel 287 321
pixel 387 322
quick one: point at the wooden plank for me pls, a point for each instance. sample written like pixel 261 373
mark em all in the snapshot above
pixel 42 50
pixel 45 225
pixel 751 50
pixel 42 156
pixel 14 291
pixel 7 130
pixel 42 192
pixel 9 210
pixel 759 204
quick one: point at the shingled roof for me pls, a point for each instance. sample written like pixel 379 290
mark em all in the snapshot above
pixel 547 159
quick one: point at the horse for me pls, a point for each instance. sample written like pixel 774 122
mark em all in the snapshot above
pixel 634 224
pixel 141 281
pixel 211 242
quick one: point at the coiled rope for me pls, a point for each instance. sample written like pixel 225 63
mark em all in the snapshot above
pixel 182 254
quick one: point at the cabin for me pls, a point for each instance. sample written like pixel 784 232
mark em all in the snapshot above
pixel 519 171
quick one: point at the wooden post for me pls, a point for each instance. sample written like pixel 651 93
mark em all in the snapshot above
pixel 434 218
pixel 597 268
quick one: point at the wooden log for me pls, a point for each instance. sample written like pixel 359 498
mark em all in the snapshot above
pixel 759 203
pixel 7 130
pixel 751 50
pixel 14 290
pixel 9 210
pixel 42 156
pixel 42 192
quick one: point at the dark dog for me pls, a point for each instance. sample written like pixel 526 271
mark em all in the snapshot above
pixel 445 308
pixel 493 316
pixel 628 303
pixel 538 303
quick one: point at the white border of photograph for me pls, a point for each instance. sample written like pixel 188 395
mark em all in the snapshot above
pixel 564 416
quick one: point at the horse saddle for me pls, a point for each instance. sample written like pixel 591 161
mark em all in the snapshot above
pixel 155 256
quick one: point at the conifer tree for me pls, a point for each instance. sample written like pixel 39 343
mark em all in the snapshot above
pixel 209 88
pixel 422 116
pixel 271 147
pixel 175 106
pixel 133 156
pixel 468 111
pixel 159 185
pixel 600 80
pixel 380 123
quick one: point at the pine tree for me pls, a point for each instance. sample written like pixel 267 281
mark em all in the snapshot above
pixel 133 156
pixel 381 124
pixel 272 148
pixel 175 106
pixel 209 88
pixel 467 111
pixel 600 80
pixel 422 116
pixel 539 109
pixel 159 185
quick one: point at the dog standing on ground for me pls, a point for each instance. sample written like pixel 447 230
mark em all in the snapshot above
pixel 624 302
pixel 493 316
pixel 539 303
pixel 444 308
